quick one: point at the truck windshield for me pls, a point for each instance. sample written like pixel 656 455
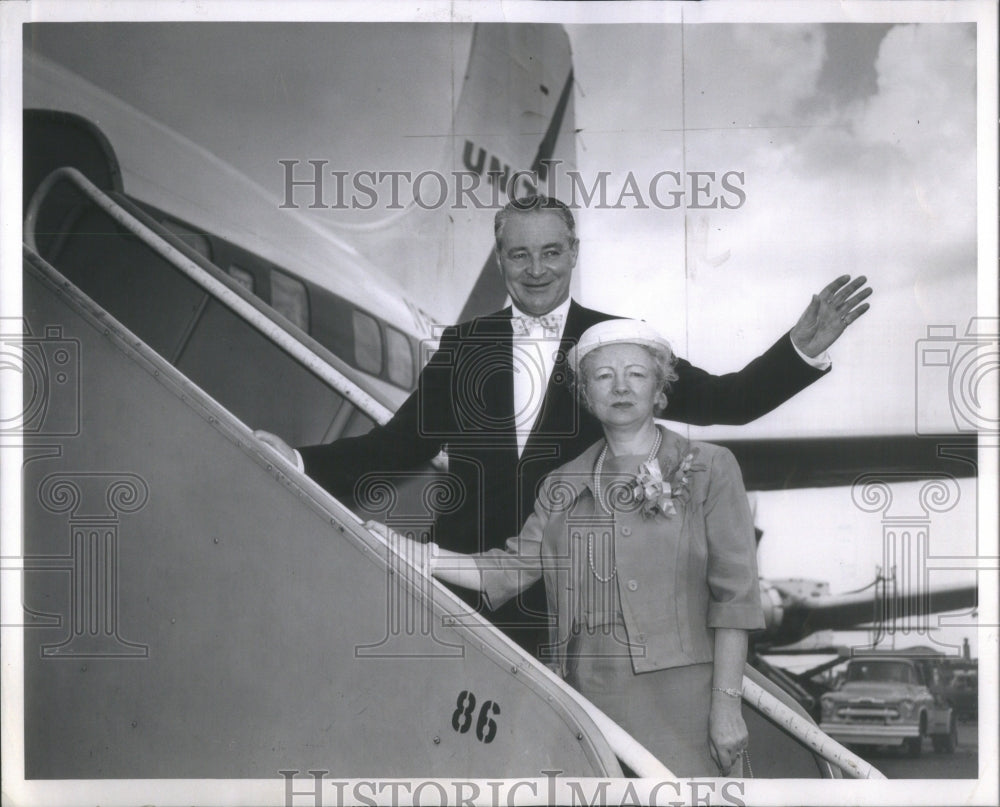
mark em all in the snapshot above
pixel 880 671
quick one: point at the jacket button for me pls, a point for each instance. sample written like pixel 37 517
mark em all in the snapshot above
pixel 641 638
pixel 626 530
pixel 633 585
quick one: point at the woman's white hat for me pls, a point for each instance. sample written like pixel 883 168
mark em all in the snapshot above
pixel 615 331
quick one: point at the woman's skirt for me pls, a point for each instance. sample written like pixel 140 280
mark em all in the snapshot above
pixel 665 710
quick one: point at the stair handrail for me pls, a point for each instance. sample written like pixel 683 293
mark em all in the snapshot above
pixel 271 330
pixel 807 732
pixel 625 747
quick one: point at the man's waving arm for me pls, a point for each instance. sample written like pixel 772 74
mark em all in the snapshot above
pixel 785 369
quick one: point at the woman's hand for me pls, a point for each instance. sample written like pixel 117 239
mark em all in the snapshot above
pixel 452 567
pixel 419 554
pixel 727 732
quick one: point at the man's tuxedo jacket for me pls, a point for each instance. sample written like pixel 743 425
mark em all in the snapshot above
pixel 464 401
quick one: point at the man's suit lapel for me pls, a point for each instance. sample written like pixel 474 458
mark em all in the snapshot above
pixel 559 409
pixel 491 377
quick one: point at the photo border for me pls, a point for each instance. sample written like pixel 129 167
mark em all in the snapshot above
pixel 13 16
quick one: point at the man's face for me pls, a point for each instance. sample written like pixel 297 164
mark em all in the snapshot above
pixel 537 256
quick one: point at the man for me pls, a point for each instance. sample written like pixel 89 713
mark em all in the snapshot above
pixel 496 395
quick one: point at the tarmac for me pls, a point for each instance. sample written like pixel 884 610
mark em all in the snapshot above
pixel 963 764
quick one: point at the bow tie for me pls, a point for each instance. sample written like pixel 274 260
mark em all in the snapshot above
pixel 547 325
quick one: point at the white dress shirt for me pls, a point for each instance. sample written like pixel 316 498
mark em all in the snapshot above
pixel 534 357
pixel 820 362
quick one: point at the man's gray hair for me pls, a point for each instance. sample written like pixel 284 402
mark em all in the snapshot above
pixel 534 203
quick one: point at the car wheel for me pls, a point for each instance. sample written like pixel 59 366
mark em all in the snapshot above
pixel 914 745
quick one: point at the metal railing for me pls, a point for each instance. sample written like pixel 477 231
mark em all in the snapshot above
pixel 807 732
pixel 271 330
pixel 626 748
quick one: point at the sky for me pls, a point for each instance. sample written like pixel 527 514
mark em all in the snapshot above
pixel 857 144
pixel 857 148
pixel 853 148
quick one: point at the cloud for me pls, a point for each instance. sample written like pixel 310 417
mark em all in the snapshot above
pixel 925 105
pixel 749 75
pixel 901 165
pixel 890 178
pixel 877 177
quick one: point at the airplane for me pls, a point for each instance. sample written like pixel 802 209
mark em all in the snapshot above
pixel 373 329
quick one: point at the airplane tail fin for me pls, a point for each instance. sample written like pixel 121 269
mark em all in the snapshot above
pixel 512 131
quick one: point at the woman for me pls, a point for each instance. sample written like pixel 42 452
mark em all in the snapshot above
pixel 646 545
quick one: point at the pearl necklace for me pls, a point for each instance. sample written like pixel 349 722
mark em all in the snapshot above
pixel 600 466
pixel 600 500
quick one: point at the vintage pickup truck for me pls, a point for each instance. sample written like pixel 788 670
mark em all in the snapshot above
pixel 890 700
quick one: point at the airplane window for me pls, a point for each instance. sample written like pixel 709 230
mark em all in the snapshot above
pixel 197 241
pixel 400 358
pixel 288 298
pixel 241 276
pixel 367 344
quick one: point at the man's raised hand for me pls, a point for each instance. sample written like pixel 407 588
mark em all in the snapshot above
pixel 829 313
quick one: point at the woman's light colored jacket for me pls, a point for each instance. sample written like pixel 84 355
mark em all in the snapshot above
pixel 679 576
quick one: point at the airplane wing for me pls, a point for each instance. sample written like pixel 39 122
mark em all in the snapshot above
pixel 831 461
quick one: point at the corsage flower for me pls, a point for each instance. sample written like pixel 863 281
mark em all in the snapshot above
pixel 657 494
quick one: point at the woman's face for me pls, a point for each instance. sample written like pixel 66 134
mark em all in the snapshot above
pixel 621 385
